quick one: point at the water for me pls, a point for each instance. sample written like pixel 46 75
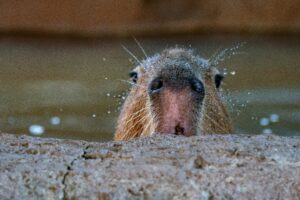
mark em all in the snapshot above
pixel 73 88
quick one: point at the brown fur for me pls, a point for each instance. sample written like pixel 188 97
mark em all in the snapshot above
pixel 140 115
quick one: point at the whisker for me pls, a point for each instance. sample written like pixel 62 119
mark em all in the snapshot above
pixel 140 120
pixel 215 122
pixel 134 116
pixel 139 111
pixel 140 46
pixel 134 84
pixel 132 55
pixel 215 54
pixel 143 118
pixel 147 126
pixel 225 53
pixel 126 81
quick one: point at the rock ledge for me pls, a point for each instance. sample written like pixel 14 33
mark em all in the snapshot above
pixel 159 167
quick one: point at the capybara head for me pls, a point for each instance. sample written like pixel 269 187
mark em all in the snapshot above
pixel 174 92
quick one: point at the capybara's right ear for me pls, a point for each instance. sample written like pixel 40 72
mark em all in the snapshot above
pixel 134 76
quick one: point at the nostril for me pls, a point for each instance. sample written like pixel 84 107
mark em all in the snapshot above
pixel 156 85
pixel 197 86
pixel 179 130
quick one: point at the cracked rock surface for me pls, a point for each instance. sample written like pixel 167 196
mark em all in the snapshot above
pixel 159 167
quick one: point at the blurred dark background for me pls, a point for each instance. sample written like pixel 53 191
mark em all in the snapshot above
pixel 147 17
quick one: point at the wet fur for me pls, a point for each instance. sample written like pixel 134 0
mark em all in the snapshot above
pixel 138 118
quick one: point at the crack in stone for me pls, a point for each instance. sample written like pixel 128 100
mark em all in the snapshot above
pixel 69 168
pixel 84 155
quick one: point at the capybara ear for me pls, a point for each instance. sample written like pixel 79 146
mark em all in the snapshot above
pixel 218 80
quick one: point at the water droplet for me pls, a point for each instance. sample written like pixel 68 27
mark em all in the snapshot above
pixel 274 118
pixel 108 94
pixel 248 93
pixel 267 131
pixel 105 78
pixel 264 122
pixel 233 73
pixel 94 115
pixel 108 112
pixel 55 120
pixel 123 97
pixel 36 129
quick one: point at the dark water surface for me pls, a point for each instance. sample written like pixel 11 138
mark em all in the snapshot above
pixel 73 88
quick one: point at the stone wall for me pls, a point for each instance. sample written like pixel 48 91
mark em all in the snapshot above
pixel 159 167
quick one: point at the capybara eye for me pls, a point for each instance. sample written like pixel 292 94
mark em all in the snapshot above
pixel 133 76
pixel 218 80
pixel 197 86
pixel 156 85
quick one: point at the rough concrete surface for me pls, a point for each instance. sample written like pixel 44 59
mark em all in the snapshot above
pixel 158 167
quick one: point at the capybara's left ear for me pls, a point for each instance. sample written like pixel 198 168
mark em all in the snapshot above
pixel 218 80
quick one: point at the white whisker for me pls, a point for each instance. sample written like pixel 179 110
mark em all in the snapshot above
pixel 135 115
pixel 134 84
pixel 132 55
pixel 140 46
pixel 215 123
